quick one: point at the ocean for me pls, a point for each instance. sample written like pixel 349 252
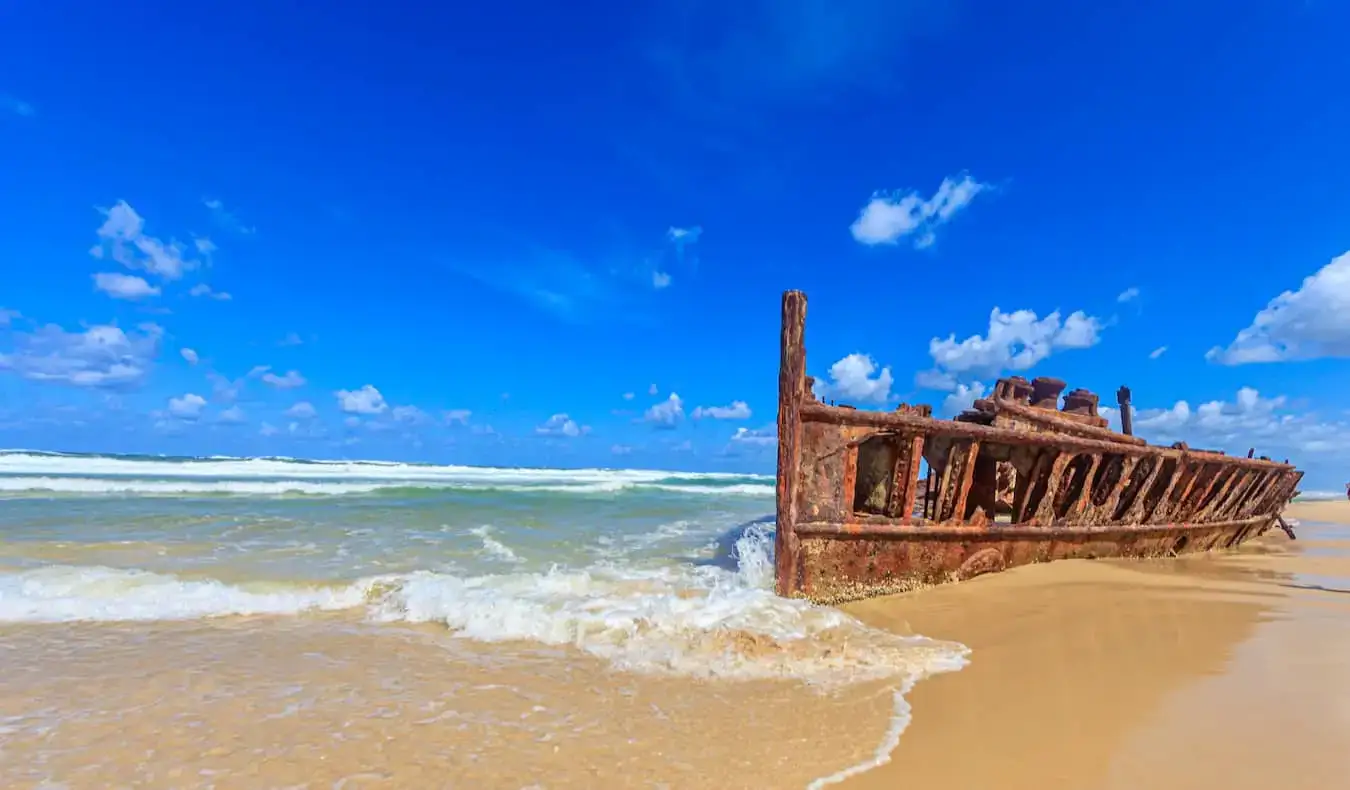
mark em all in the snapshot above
pixel 198 597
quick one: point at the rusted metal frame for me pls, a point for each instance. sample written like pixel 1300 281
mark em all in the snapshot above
pixel 1063 425
pixel 1189 470
pixel 904 486
pixel 1135 513
pixel 848 477
pixel 1104 511
pixel 1239 493
pixel 1045 509
pixel 1079 506
pixel 1040 466
pixel 919 530
pixel 791 397
pixel 834 415
pixel 1167 492
pixel 1218 491
pixel 1269 494
pixel 956 480
pixel 1188 504
pixel 1280 494
pixel 1257 493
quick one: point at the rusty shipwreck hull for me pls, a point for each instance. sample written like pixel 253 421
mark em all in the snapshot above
pixel 1015 480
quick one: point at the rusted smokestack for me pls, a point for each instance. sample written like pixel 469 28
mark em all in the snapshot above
pixel 1126 418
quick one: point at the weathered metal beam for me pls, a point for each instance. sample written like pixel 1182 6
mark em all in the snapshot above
pixel 791 394
pixel 928 530
pixel 1050 419
pixel 896 421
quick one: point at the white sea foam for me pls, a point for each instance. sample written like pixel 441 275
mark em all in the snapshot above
pixel 492 547
pixel 685 621
pixel 133 486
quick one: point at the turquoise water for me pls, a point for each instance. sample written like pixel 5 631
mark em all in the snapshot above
pixel 649 570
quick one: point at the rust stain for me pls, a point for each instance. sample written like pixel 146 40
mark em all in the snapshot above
pixel 876 502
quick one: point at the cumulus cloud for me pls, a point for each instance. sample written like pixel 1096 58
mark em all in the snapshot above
pixel 124 286
pixel 962 397
pixel 189 355
pixel 1015 341
pixel 1309 323
pixel 187 407
pixel 232 416
pixel 764 437
pixel 290 380
pixel 7 316
pixel 122 238
pixel 666 414
pixel 738 410
pixel 1128 295
pixel 561 425
pixel 1271 425
pixel 102 356
pixel 267 429
pixel 366 400
pixel 886 219
pixel 202 289
pixel 855 379
pixel 456 416
pixel 303 410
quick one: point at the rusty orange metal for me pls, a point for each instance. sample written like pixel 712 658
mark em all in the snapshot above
pixel 1018 478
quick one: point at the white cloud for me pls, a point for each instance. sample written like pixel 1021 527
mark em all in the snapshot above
pixel 561 425
pixel 291 339
pixel 759 438
pixel 232 416
pixel 224 389
pixel 7 316
pixel 652 390
pixel 620 449
pixel 408 414
pixel 189 355
pixel 122 237
pixel 1157 352
pixel 628 396
pixel 1272 425
pixel 267 429
pixel 962 397
pixel 456 416
pixel 124 286
pixel 1310 323
pixel 667 413
pixel 204 245
pixel 852 379
pixel 660 280
pixel 888 218
pixel 227 219
pixel 1015 341
pixel 202 289
pixel 366 400
pixel 187 407
pixel 290 380
pixel 1128 295
pixel 303 410
pixel 738 410
pixel 100 356
pixel 685 235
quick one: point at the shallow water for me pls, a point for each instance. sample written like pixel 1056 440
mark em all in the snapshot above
pixel 117 573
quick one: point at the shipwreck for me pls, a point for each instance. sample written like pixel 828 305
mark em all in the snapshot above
pixel 1017 479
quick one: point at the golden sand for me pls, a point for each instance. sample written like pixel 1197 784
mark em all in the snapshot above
pixel 1223 671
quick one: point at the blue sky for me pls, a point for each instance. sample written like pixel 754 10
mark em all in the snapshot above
pixel 505 233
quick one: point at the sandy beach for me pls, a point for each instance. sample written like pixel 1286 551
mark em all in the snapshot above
pixel 1220 671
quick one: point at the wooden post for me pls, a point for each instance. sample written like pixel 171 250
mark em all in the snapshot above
pixel 791 392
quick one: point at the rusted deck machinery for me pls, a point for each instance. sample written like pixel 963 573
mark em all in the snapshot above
pixel 1015 480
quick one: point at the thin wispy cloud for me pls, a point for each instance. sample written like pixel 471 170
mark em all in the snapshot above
pixel 227 219
pixel 17 106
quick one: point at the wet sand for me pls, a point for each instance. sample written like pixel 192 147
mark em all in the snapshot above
pixel 1221 671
